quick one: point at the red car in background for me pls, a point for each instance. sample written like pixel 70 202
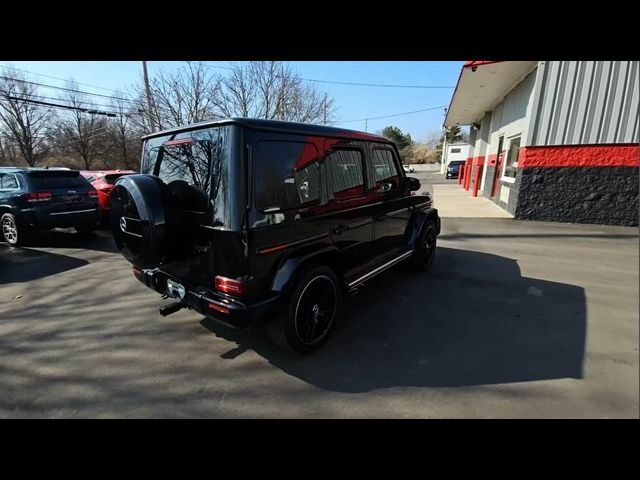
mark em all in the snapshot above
pixel 102 181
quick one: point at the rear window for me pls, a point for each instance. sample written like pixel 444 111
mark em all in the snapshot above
pixel 57 179
pixel 112 177
pixel 287 175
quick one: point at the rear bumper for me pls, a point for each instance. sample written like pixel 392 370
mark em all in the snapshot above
pixel 36 218
pixel 224 308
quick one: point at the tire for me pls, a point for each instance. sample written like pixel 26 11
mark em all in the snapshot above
pixel 425 249
pixel 9 230
pixel 310 312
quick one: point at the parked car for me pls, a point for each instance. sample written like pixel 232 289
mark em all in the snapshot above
pixel 408 168
pixel 44 198
pixel 250 221
pixel 453 169
pixel 102 181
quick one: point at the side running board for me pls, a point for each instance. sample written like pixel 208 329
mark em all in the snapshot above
pixel 379 269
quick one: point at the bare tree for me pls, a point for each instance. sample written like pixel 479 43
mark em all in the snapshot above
pixel 273 90
pixel 123 135
pixel 185 96
pixel 24 124
pixel 81 135
pixel 269 90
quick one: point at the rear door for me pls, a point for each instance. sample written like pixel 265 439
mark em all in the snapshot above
pixel 392 210
pixel 350 214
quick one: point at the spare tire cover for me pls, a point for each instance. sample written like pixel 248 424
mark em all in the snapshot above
pixel 138 219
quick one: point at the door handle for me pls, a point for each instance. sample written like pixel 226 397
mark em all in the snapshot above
pixel 339 229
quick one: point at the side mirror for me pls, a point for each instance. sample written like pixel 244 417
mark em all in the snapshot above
pixel 413 184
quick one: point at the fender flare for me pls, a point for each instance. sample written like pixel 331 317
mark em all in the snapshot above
pixel 420 220
pixel 290 266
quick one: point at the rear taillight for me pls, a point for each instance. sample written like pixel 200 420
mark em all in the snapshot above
pixel 93 193
pixel 37 196
pixel 230 286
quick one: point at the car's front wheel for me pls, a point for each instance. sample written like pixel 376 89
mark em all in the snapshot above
pixel 9 229
pixel 310 312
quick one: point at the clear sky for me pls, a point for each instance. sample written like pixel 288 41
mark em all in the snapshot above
pixel 353 102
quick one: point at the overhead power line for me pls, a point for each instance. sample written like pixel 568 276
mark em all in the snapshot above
pixel 56 78
pixel 337 82
pixel 66 107
pixel 67 89
pixel 392 115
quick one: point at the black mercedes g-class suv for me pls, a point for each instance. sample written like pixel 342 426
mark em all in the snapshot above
pixel 246 220
pixel 44 198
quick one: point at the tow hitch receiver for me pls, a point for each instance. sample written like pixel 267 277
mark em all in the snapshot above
pixel 172 308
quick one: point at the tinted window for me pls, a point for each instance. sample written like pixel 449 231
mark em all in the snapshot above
pixel 346 167
pixel 286 174
pixel 8 181
pixel 189 162
pixel 384 167
pixel 45 180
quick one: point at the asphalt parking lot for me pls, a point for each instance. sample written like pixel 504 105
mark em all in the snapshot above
pixel 515 320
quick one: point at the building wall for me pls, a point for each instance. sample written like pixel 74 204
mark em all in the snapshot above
pixel 510 119
pixel 580 160
pixel 462 155
pixel 590 102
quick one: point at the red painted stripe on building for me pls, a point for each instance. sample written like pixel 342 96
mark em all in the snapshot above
pixel 477 160
pixel 621 155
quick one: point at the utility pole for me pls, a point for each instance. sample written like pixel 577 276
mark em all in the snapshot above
pixel 366 121
pixel 148 93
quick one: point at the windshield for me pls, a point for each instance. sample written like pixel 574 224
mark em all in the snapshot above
pixel 200 158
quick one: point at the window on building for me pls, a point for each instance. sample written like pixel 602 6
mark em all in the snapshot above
pixel 455 150
pixel 346 167
pixel 511 164
pixel 286 175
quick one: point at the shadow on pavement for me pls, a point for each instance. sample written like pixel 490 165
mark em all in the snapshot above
pixel 18 265
pixel 100 240
pixel 472 320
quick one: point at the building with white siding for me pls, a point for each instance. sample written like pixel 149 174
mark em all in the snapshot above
pixel 552 140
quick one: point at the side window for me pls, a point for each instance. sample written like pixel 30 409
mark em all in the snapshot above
pixel 383 167
pixel 511 165
pixel 8 182
pixel 346 168
pixel 286 175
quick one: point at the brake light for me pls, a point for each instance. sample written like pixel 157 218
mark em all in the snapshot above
pixel 37 196
pixel 229 285
pixel 173 143
pixel 93 193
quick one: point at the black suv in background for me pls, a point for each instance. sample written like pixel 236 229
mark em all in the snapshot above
pixel 453 169
pixel 44 198
pixel 250 220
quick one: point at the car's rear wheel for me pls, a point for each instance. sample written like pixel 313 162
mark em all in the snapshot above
pixel 310 313
pixel 9 229
pixel 425 248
